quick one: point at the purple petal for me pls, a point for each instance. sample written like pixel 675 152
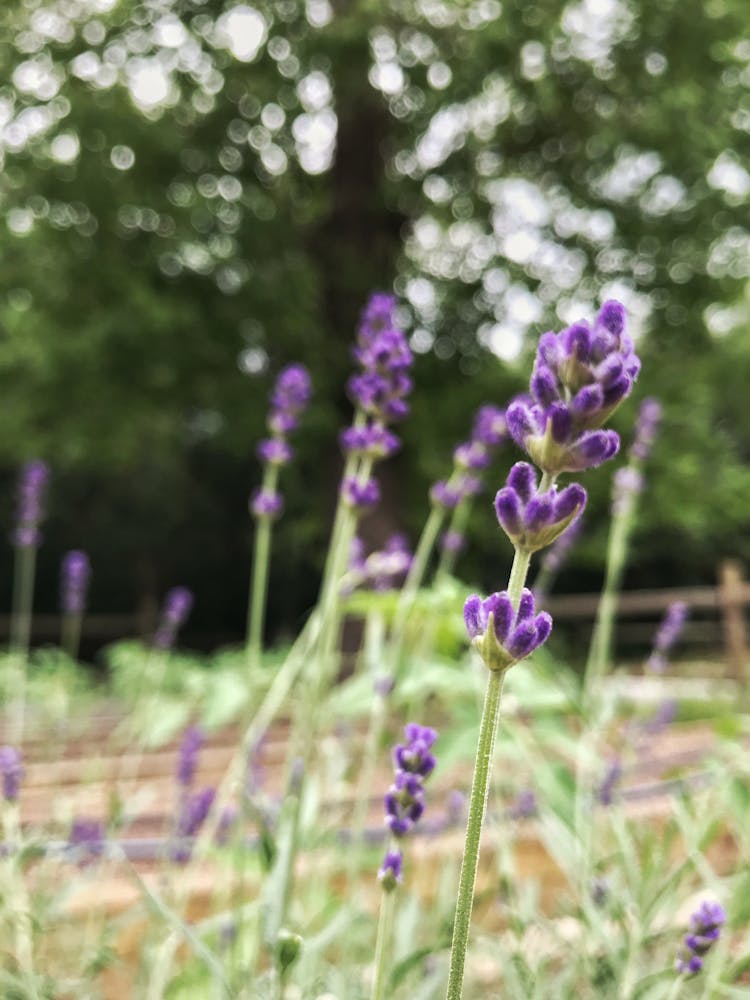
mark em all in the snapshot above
pixel 522 479
pixel 572 498
pixel 525 605
pixel 539 512
pixel 501 608
pixel 544 386
pixel 474 616
pixel 509 511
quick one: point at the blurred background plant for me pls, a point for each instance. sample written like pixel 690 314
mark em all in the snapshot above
pixel 195 193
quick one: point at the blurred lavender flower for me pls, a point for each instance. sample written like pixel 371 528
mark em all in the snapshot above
pixel 187 757
pixel 471 458
pixel 533 520
pixel 524 806
pixel 452 541
pixel 386 568
pixel 705 929
pixel 266 503
pixel 87 836
pixel 11 772
pixel 445 494
pixel 647 425
pixel 627 484
pixel 455 807
pixel 666 636
pixel 31 489
pixel 580 377
pixel 177 605
pixel 606 792
pixel 75 576
pixel 502 635
pixel 193 812
pixel 359 495
pixel 290 396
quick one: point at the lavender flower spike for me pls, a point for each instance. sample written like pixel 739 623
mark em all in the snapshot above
pixel 667 635
pixel 76 572
pixel 360 495
pixel 705 928
pixel 533 520
pixel 502 635
pixel 187 759
pixel 31 488
pixel 11 772
pixel 649 418
pixel 391 873
pixel 177 607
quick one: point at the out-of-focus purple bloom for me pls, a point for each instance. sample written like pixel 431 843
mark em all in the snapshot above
pixel 445 494
pixel 275 451
pixel 471 455
pixel 515 633
pixel 265 503
pixel 384 569
pixel 452 541
pixel 646 428
pixel 455 806
pixel 391 872
pixel 666 636
pixel 177 605
pixel 383 355
pixel 705 928
pixel 524 806
pixel 193 812
pixel 627 484
pixel 606 792
pixel 87 836
pixel 360 495
pixel 290 396
pixel 372 441
pixel 31 490
pixel 490 427
pixel 11 772
pixel 532 520
pixel 580 377
pixel 384 685
pixel 187 757
pixel 75 576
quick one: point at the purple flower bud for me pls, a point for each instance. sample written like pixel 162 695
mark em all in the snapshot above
pixel 443 494
pixel 533 520
pixel 374 441
pixel 515 635
pixel 404 801
pixel 275 451
pixel 87 837
pixel 292 391
pixel 192 816
pixel 187 758
pixel 75 574
pixel 705 929
pixel 11 772
pixel 177 605
pixel 391 871
pixel 667 634
pixel 646 428
pixel 472 455
pixel 31 489
pixel 452 541
pixel 490 428
pixel 360 495
pixel 384 569
pixel 264 503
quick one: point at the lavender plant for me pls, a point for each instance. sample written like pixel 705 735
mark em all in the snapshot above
pixel 289 399
pixel 404 805
pixel 580 377
pixel 75 574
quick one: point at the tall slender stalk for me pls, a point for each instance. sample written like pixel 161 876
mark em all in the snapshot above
pixel 24 568
pixel 382 946
pixel 256 611
pixel 70 634
pixel 478 800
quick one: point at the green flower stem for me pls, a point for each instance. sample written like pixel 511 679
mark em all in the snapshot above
pixel 256 611
pixel 459 520
pixel 478 801
pixel 382 947
pixel 676 988
pixel 70 634
pixel 601 639
pixel 414 580
pixel 16 896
